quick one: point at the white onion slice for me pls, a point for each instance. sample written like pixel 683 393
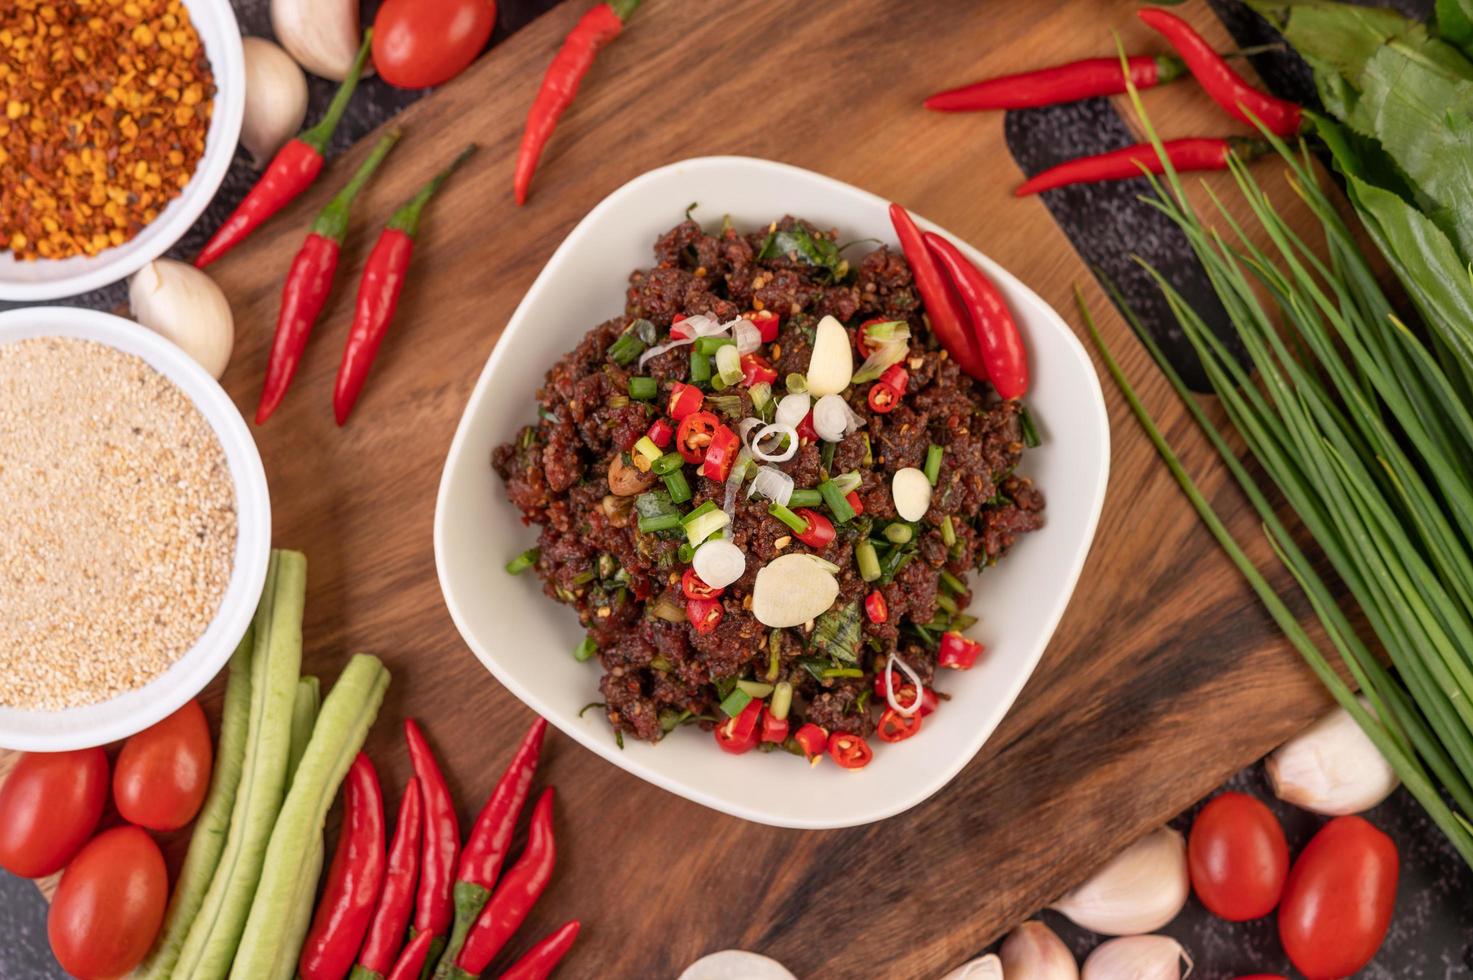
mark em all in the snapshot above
pixel 791 409
pixel 831 365
pixel 745 426
pixel 831 418
pixel 719 563
pixel 890 686
pixel 855 422
pixel 748 338
pixel 771 432
pixel 911 492
pixel 773 484
pixel 734 484
pixel 699 325
pixel 662 348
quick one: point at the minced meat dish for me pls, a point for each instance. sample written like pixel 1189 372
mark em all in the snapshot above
pixel 762 488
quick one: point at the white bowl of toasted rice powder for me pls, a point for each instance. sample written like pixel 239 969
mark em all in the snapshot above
pixel 137 528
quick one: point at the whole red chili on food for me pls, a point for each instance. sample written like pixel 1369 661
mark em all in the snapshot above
pixel 514 897
pixel 692 587
pixel 1186 156
pixel 433 905
pixel 353 880
pixel 695 434
pixel 704 614
pixel 883 398
pixel 876 608
pixel 390 920
pixel 486 847
pixel 895 726
pixel 948 319
pixel 1003 354
pixel 413 960
pixel 740 734
pixel 685 400
pixel 850 751
pixel 543 958
pixel 1226 87
pixel 820 530
pixel 812 739
pixel 957 652
pixel 378 292
pixel 596 28
pixel 1060 83
pixel 310 280
pixel 293 169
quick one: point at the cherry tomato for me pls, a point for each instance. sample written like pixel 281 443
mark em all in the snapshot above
pixel 896 727
pixel 695 434
pixel 419 43
pixel 1338 899
pixel 811 739
pixel 876 608
pixel 883 398
pixel 704 614
pixel 850 751
pixel 1237 857
pixel 109 905
pixel 693 588
pixel 774 729
pixel 738 735
pixel 49 806
pixel 163 772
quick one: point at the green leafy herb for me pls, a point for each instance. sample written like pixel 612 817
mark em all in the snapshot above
pixel 836 633
pixel 800 243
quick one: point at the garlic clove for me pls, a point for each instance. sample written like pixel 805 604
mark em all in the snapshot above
pixel 1137 958
pixel 1139 891
pixel 185 305
pixel 911 492
pixel 987 967
pixel 1033 952
pixel 736 964
pixel 275 101
pixel 1331 768
pixel 322 35
pixel 831 365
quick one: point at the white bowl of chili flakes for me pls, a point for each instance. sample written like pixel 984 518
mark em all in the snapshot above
pixel 72 147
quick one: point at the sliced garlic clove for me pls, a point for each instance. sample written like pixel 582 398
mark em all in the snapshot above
pixel 1331 768
pixel 911 492
pixel 1137 958
pixel 275 99
pixel 792 589
pixel 987 967
pixel 1139 891
pixel 831 366
pixel 1033 952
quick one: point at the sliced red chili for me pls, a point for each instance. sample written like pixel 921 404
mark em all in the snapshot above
pixel 694 435
pixel 720 454
pixel 767 323
pixel 812 739
pixel 661 432
pixel 896 727
pixel 704 614
pixel 757 369
pixel 861 340
pixel 740 734
pixel 677 332
pixel 685 400
pixel 693 588
pixel 806 429
pixel 958 652
pixel 876 608
pixel 850 751
pixel 858 505
pixel 820 530
pixel 774 729
pixel 905 695
pixel 883 398
pixel 897 377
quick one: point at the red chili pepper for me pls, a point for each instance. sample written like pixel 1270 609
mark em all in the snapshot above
pixel 774 729
pixel 411 962
pixel 905 695
pixel 677 332
pixel 861 337
pixel 883 398
pixel 695 434
pixel 596 28
pixel 818 533
pixel 767 323
pixel 433 907
pixel 310 280
pixel 661 432
pixel 353 881
pixel 378 292
pixel 806 429
pixel 515 895
pixel 997 335
pixel 897 727
pixel 739 735
pixel 948 320
pixel 812 739
pixel 854 502
pixel 391 918
pixel 1061 83
pixel 485 848
pixel 1186 156
pixel 1226 87
pixel 704 614
pixel 757 369
pixel 897 377
pixel 543 958
pixel 958 652
pixel 850 751
pixel 693 588
pixel 684 400
pixel 876 608
pixel 293 169
pixel 721 454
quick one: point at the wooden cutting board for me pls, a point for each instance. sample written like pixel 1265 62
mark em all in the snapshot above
pixel 1164 677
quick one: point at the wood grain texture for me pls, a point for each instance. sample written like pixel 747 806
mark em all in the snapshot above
pixel 1164 677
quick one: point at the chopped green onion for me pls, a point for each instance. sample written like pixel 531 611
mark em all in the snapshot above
pixel 584 577
pixel 953 583
pixel 796 383
pixel 685 553
pixel 670 719
pixel 1030 431
pixel 754 688
pixel 792 520
pixel 728 363
pixel 646 451
pixel 869 456
pixel 735 702
pixel 718 383
pixel 700 511
pixel 728 405
pixel 948 533
pixel 894 562
pixel 761 393
pixel 710 345
pixel 843 672
pixel 643 389
pixel 898 533
pixel 644 330
pixel 626 349
pixel 700 368
pixel 946 602
pixel 826 455
pixel 618 401
pixel 867 559
pixel 707 524
pixel 933 463
pixel 668 463
pixel 774 654
pixel 962 622
pixel 805 498
pixel 847 482
pixel 585 650
pixel 524 561
pixel 841 509
pixel 677 486
pixel 782 700
pixel 664 522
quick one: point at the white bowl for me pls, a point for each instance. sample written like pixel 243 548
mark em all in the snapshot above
pixel 526 640
pixel 43 279
pixel 119 717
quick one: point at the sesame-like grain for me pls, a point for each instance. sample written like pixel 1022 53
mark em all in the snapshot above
pixel 119 523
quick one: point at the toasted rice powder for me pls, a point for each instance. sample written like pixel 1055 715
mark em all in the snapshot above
pixel 117 523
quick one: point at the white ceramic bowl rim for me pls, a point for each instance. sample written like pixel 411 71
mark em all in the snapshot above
pixel 45 279
pixel 132 711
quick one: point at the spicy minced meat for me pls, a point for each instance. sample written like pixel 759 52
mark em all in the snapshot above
pixel 659 670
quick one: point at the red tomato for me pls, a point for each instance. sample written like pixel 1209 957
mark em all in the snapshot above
pixel 109 905
pixel 163 772
pixel 418 43
pixel 1338 899
pixel 49 806
pixel 1237 857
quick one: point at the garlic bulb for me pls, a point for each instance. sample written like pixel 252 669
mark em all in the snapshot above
pixel 1140 890
pixel 1033 952
pixel 184 305
pixel 1331 768
pixel 275 101
pixel 1137 958
pixel 987 967
pixel 321 34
